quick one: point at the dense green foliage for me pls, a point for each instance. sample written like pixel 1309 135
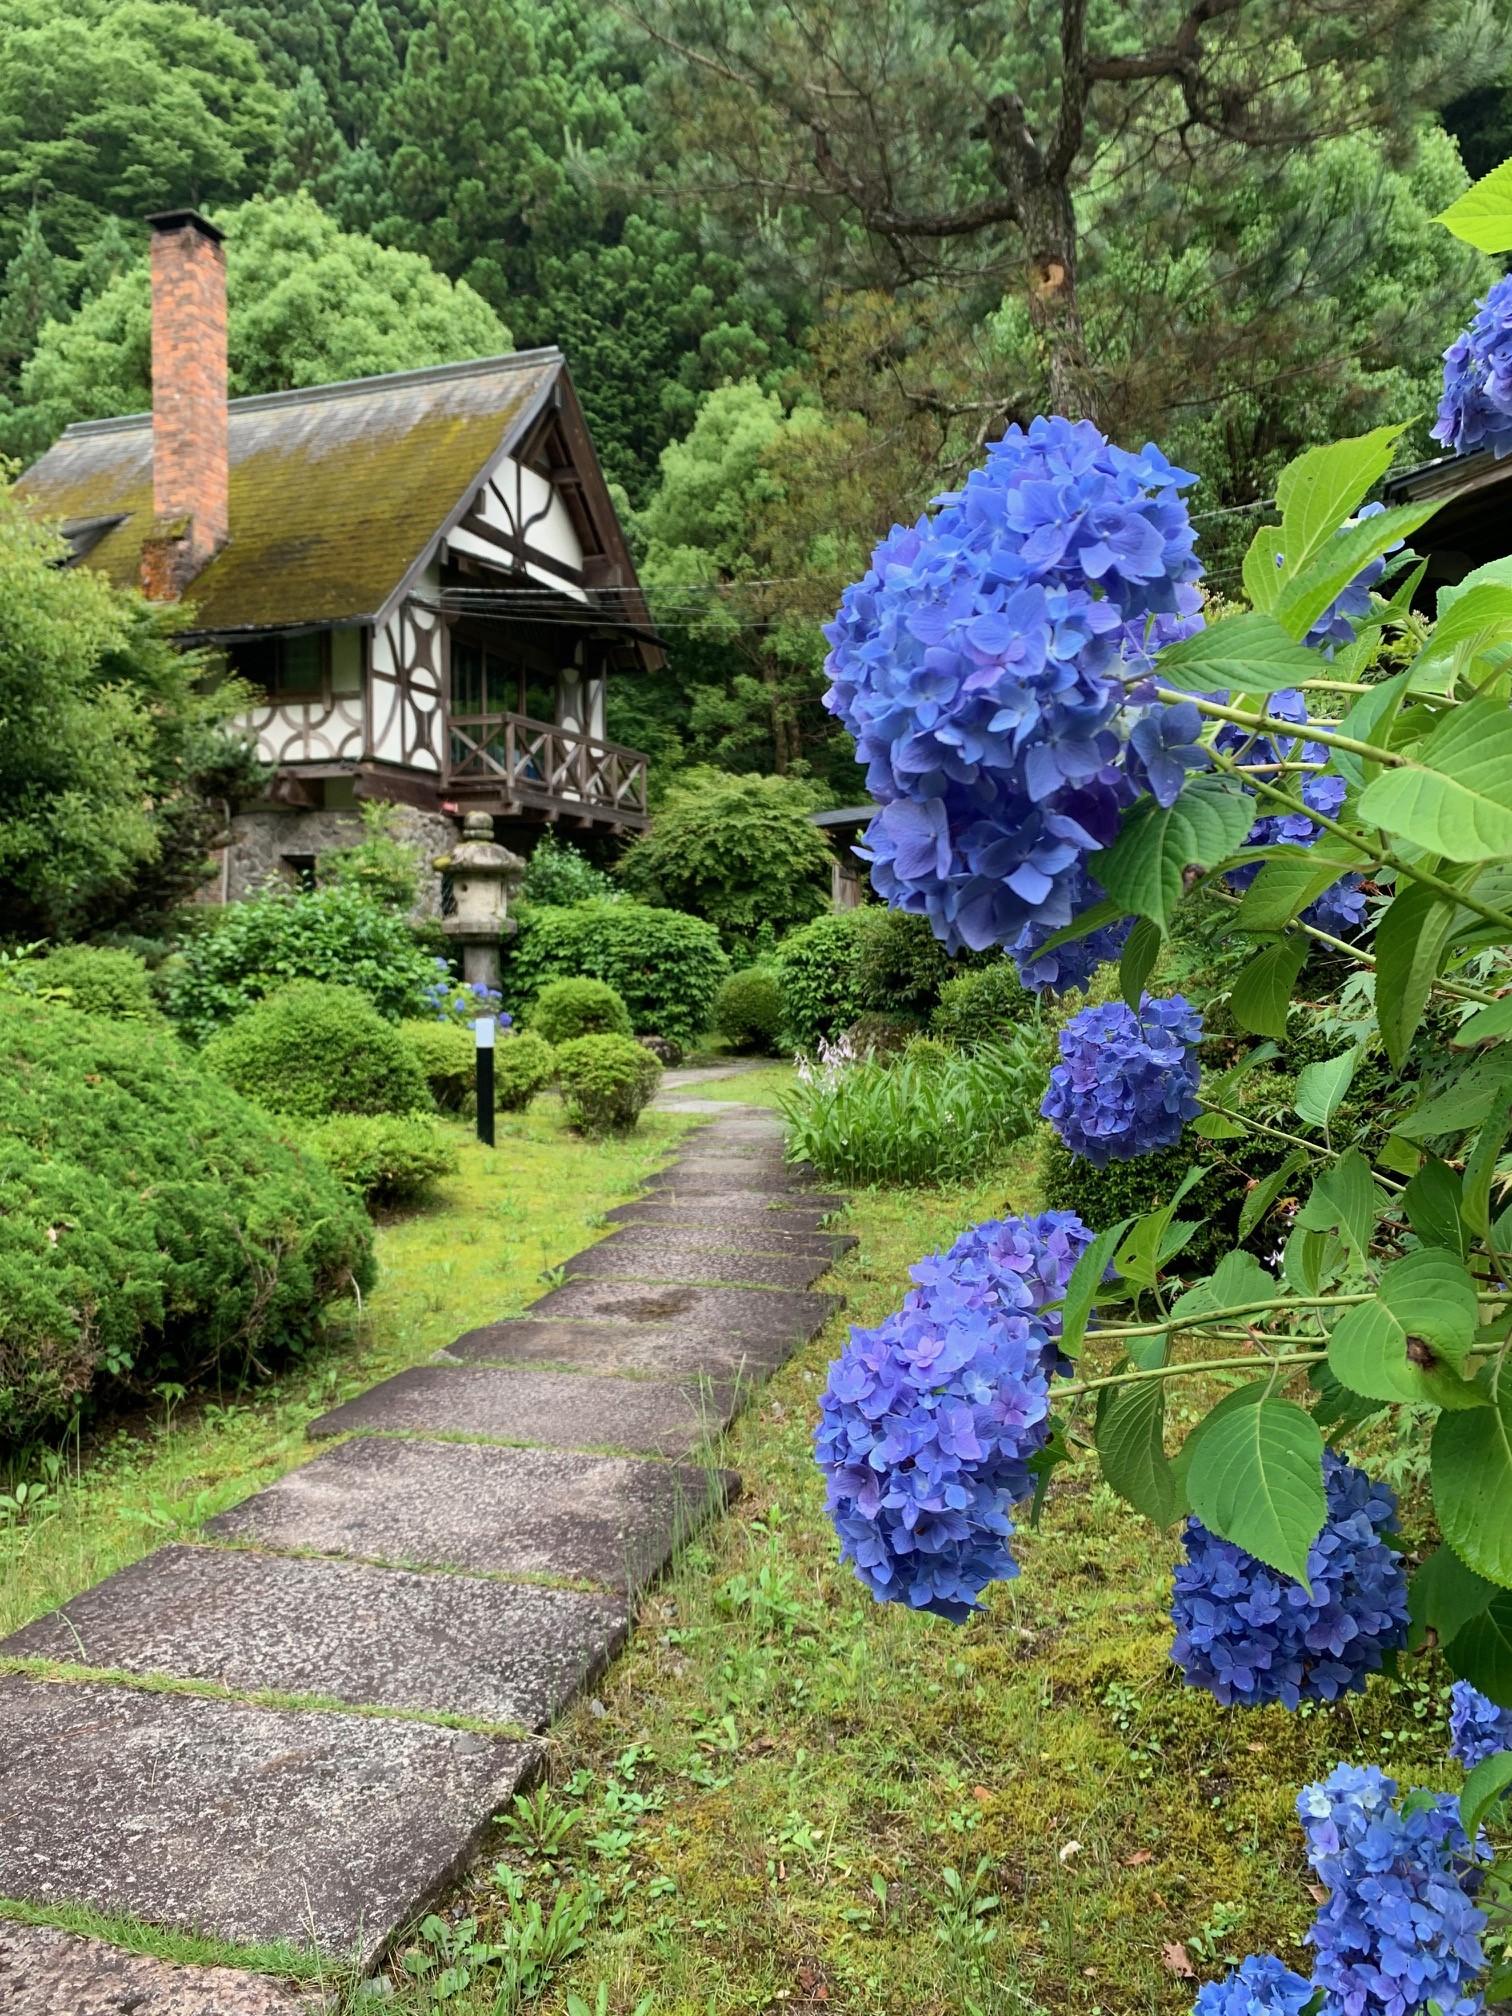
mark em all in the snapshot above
pixel 98 980
pixel 384 867
pixel 114 769
pixel 983 1005
pixel 606 1081
pixel 926 1117
pixel 567 1008
pixel 312 1049
pixel 152 1224
pixel 667 967
pixel 742 852
pixel 446 1054
pixel 236 955
pixel 524 1064
pixel 560 874
pixel 748 1009
pixel 387 1158
pixel 819 971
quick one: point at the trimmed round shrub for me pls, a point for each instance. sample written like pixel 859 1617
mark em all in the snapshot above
pixel 99 980
pixel 313 1050
pixel 445 1053
pixel 819 972
pixel 152 1223
pixel 245 951
pixel 874 1035
pixel 1133 1189
pixel 567 1008
pixel 524 1064
pixel 985 1004
pixel 387 1158
pixel 748 1010
pixel 667 967
pixel 605 1081
pixel 901 965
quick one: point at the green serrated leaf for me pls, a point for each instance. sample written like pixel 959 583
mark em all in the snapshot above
pixel 1262 568
pixel 1465 1101
pixel 1237 1282
pixel 1472 1479
pixel 1480 1171
pixel 1290 880
pixel 1407 1342
pixel 1486 1025
pixel 1344 1198
pixel 1248 653
pixel 1480 618
pixel 1144 870
pixel 1444 1596
pixel 1257 1478
pixel 1319 490
pixel 1482 217
pixel 1481 1652
pixel 1141 950
pixel 1454 797
pixel 1082 926
pixel 1306 595
pixel 1086 1280
pixel 1262 995
pixel 1483 1790
pixel 1259 1200
pixel 1432 1203
pixel 1321 1087
pixel 1218 1127
pixel 1412 940
pixel 1131 1448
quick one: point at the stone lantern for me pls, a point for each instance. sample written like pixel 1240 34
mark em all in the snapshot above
pixel 482 874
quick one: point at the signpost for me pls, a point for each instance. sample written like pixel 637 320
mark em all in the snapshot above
pixel 483 1037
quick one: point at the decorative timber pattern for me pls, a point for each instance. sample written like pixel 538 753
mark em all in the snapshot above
pixel 406 690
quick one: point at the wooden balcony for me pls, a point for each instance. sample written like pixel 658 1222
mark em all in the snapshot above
pixel 500 761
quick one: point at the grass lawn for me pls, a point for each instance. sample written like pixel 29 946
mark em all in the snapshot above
pixel 477 1252
pixel 787 1797
pixel 762 1087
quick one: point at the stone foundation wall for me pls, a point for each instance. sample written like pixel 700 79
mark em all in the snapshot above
pixel 262 839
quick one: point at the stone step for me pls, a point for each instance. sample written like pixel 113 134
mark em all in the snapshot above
pixel 740 1232
pixel 667 1253
pixel 553 1410
pixel 47 1972
pixel 239 1823
pixel 374 1637
pixel 800 1215
pixel 767 1323
pixel 482 1509
pixel 624 1349
pixel 713 1175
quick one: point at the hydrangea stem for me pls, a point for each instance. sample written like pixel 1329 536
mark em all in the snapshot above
pixel 1138 1376
pixel 1267 724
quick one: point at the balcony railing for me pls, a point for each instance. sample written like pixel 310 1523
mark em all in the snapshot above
pixel 536 763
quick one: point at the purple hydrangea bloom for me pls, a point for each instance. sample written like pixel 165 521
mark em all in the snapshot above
pixel 1478 1729
pixel 1399 1929
pixel 981 662
pixel 1015 1266
pixel 1337 623
pixel 1127 1082
pixel 1261 1985
pixel 1340 910
pixel 1069 968
pixel 1476 408
pixel 1250 1635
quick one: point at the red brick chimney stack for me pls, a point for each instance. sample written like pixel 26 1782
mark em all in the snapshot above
pixel 190 458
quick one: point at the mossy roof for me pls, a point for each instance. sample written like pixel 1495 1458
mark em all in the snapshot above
pixel 336 493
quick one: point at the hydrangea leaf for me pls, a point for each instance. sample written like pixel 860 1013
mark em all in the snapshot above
pixel 1262 995
pixel 1445 1596
pixel 1256 1478
pixel 1316 492
pixel 1259 1200
pixel 1131 1448
pixel 1482 217
pixel 1408 1341
pixel 1454 797
pixel 1096 918
pixel 1480 1171
pixel 1141 950
pixel 1237 1282
pixel 1250 653
pixel 1344 1198
pixel 1432 1203
pixel 1144 871
pixel 1481 1650
pixel 1479 618
pixel 1086 1280
pixel 1483 1788
pixel 1307 595
pixel 1472 1479
pixel 1321 1087
pixel 1486 1025
pixel 1262 567
pixel 1291 880
pixel 1465 1102
pixel 1411 942
pixel 1372 719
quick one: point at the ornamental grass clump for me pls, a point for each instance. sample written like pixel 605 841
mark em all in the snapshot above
pixel 1250 1635
pixel 982 665
pixel 1475 410
pixel 1127 1082
pixel 1478 1729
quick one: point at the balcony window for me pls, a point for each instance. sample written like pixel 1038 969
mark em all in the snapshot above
pixel 286 668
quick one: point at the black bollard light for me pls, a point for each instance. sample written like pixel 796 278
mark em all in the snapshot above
pixel 483 1077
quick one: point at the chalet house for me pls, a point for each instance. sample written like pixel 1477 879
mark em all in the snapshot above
pixel 422 575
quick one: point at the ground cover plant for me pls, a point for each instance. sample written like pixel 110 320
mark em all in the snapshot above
pixel 387 1158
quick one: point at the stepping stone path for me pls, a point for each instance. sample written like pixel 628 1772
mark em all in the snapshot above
pixel 474 1552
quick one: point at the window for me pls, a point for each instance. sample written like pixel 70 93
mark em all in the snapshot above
pixel 481 681
pixel 286 668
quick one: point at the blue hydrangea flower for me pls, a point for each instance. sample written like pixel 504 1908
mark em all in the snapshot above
pixel 1014 1266
pixel 980 665
pixel 1127 1083
pixel 1337 623
pixel 1250 1635
pixel 1478 1729
pixel 1399 1929
pixel 1340 910
pixel 1476 408
pixel 1069 968
pixel 1261 1985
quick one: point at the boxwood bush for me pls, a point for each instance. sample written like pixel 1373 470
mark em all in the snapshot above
pixel 985 1004
pixel 313 1050
pixel 819 972
pixel 748 1010
pixel 524 1064
pixel 99 980
pixel 387 1158
pixel 666 966
pixel 606 1081
pixel 445 1052
pixel 567 1008
pixel 152 1223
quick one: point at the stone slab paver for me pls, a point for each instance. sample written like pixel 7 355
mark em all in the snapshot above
pixel 473 1506
pixel 626 1349
pixel 554 1410
pixel 783 1213
pixel 733 1231
pixel 377 1637
pixel 243 1823
pixel 710 1175
pixel 47 1972
pixel 763 1321
pixel 659 1253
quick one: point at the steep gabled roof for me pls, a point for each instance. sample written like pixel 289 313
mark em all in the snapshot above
pixel 339 494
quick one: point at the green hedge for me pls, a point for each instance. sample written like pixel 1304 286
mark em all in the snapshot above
pixel 445 1052
pixel 985 1004
pixel 99 980
pixel 524 1064
pixel 606 1081
pixel 567 1008
pixel 312 1050
pixel 748 1010
pixel 152 1223
pixel 666 966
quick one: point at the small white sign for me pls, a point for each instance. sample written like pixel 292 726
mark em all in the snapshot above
pixel 483 1032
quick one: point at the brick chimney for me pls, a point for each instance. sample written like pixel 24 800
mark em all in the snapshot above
pixel 190 459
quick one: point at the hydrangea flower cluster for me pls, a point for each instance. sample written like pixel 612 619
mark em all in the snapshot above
pixel 928 1421
pixel 1476 408
pixel 1250 1635
pixel 1069 968
pixel 1127 1083
pixel 980 664
pixel 1478 1729
pixel 1261 1985
pixel 452 1000
pixel 1340 910
pixel 1337 623
pixel 1399 1929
